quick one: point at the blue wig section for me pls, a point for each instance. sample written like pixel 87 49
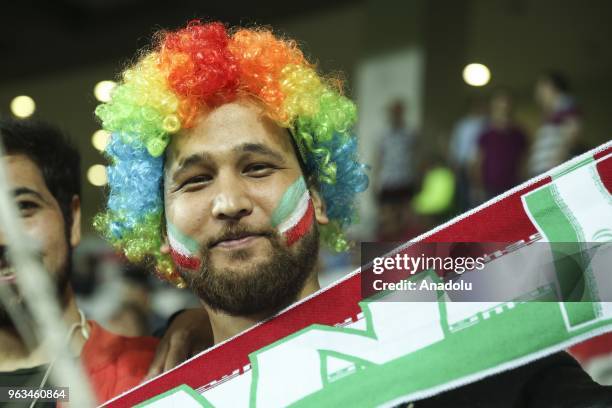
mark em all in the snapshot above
pixel 134 179
pixel 351 177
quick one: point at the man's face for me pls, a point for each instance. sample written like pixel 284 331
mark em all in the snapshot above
pixel 501 107
pixel 545 94
pixel 231 183
pixel 43 222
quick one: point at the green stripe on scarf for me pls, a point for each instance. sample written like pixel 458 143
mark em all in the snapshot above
pixel 555 220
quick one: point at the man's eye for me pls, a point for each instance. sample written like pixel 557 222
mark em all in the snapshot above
pixel 259 169
pixel 27 207
pixel 196 180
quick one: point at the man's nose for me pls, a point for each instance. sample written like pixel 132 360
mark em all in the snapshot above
pixel 231 201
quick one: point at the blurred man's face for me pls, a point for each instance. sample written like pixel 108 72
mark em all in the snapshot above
pixel 545 94
pixel 396 113
pixel 43 222
pixel 243 238
pixel 501 107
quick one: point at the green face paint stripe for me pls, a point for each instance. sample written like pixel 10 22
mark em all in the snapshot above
pixel 288 201
pixel 189 243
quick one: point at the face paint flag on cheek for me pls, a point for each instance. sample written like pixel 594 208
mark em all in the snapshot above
pixel 294 214
pixel 183 249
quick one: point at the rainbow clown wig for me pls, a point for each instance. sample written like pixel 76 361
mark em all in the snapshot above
pixel 201 66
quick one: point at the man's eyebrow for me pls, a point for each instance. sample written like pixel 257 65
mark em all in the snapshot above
pixel 195 159
pixel 259 149
pixel 27 191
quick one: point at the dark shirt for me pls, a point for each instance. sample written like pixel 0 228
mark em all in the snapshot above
pixel 502 151
pixel 113 363
pixel 25 377
pixel 556 381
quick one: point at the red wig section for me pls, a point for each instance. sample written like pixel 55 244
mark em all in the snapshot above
pixel 262 58
pixel 199 67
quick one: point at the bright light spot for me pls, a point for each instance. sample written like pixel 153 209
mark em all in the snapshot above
pixel 97 175
pixel 23 106
pixel 100 139
pixel 476 74
pixel 103 90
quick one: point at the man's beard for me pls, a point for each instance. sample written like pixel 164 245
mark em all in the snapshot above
pixel 60 282
pixel 274 284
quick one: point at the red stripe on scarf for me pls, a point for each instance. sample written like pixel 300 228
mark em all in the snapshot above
pixel 184 261
pixel 302 227
pixel 604 168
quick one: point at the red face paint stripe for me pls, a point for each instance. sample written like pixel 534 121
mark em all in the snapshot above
pixel 184 261
pixel 301 228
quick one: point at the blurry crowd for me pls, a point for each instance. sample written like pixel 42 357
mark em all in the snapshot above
pixel 125 298
pixel 489 152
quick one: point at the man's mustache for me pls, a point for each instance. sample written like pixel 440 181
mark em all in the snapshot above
pixel 235 232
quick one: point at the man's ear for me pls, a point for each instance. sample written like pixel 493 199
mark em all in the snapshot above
pixel 75 228
pixel 319 206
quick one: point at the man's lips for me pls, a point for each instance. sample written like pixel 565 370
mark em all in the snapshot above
pixel 237 242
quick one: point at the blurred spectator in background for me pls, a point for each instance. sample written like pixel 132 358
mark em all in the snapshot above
pixel 135 317
pixel 130 320
pixel 395 178
pixel 502 147
pixel 463 150
pixel 44 172
pixel 557 140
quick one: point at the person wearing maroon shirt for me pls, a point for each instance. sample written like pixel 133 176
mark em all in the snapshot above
pixel 502 147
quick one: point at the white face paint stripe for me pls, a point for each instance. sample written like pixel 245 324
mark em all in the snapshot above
pixel 178 246
pixel 179 243
pixel 297 214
